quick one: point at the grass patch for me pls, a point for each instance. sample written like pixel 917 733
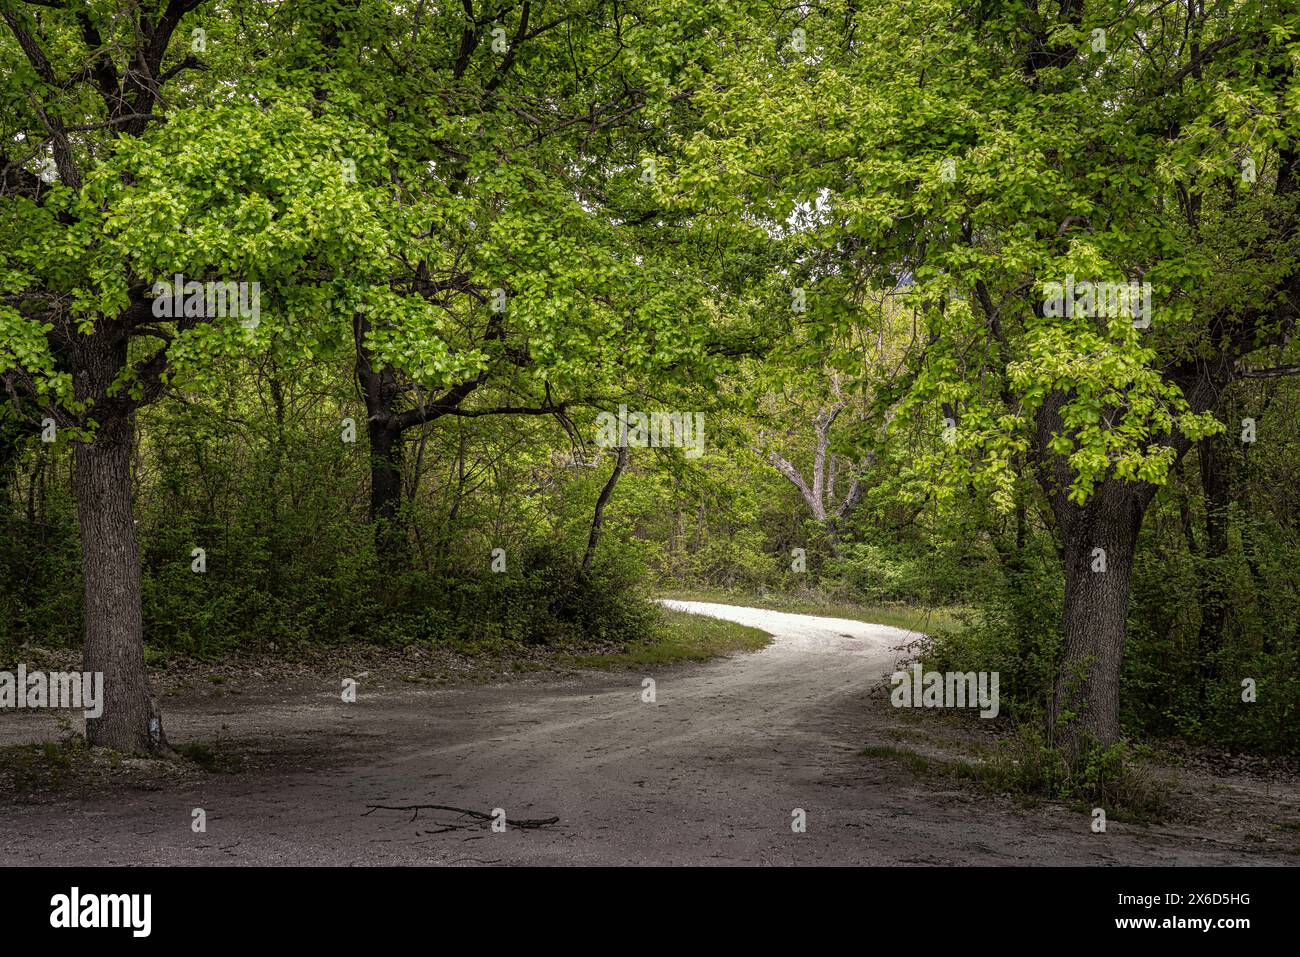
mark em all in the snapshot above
pixel 916 763
pixel 1026 769
pixel 681 636
pixel 929 621
pixel 209 757
pixel 27 767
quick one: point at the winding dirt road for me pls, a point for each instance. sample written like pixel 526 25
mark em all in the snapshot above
pixel 709 773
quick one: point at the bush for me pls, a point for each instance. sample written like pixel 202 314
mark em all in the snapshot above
pixel 1017 635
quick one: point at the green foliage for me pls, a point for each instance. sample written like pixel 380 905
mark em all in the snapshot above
pixel 680 636
pixel 290 558
pixel 40 566
pixel 549 601
pixel 1202 624
pixel 884 574
pixel 1116 779
pixel 921 368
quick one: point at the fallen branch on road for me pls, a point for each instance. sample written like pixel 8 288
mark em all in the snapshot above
pixel 477 815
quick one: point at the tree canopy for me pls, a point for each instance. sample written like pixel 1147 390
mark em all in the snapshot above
pixel 1014 279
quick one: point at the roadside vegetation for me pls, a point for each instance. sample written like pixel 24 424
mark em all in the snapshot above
pixel 564 310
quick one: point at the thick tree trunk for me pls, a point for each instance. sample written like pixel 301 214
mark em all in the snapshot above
pixel 110 569
pixel 1099 541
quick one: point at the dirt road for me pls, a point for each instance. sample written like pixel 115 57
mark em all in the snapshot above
pixel 709 773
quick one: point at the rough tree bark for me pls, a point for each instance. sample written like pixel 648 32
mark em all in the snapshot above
pixel 114 640
pixel 110 564
pixel 1099 541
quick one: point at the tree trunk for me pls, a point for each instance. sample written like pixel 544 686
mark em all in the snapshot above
pixel 1085 707
pixel 386 489
pixel 379 389
pixel 110 569
pixel 1213 593
pixel 598 519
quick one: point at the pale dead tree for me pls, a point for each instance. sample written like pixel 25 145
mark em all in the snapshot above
pixel 818 491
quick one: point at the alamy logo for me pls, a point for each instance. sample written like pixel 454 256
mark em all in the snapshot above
pixel 209 300
pixel 1131 300
pixel 949 689
pixel 639 430
pixel 78 690
pixel 103 910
